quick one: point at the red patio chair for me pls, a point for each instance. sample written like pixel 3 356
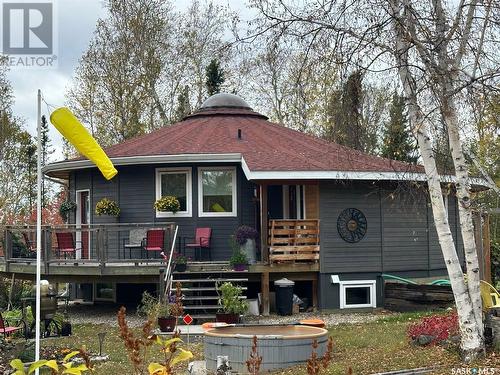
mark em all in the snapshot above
pixel 30 245
pixel 154 241
pixel 6 329
pixel 66 245
pixel 201 241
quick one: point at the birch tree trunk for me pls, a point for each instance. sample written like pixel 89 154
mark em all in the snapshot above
pixel 464 207
pixel 471 334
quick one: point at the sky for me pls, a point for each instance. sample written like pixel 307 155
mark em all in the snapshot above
pixel 75 22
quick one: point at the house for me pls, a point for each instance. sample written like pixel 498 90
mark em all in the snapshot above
pixel 230 166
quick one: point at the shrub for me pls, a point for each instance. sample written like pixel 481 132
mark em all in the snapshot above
pixel 107 207
pixel 439 327
pixel 230 298
pixel 238 257
pixel 167 203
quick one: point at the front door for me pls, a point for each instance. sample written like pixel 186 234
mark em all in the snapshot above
pixel 82 223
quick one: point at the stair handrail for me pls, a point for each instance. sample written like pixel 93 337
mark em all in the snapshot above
pixel 168 273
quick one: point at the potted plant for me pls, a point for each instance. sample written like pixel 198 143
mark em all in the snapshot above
pixel 233 305
pixel 166 321
pixel 167 203
pixel 154 309
pixel 107 207
pixel 238 260
pixel 246 237
pixel 65 208
pixel 180 262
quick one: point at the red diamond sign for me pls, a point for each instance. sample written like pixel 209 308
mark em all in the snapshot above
pixel 187 319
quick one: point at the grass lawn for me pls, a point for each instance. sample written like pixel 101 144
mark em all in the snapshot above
pixel 365 348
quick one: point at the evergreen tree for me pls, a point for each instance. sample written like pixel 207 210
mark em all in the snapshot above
pixel 397 142
pixel 214 77
pixel 183 107
pixel 47 150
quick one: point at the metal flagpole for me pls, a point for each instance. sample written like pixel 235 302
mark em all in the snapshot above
pixel 38 225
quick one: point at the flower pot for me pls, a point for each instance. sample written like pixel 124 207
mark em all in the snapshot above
pixel 249 249
pixel 167 323
pixel 227 318
pixel 66 329
pixel 181 267
pixel 240 267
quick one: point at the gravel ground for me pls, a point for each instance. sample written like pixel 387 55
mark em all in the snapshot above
pixel 106 314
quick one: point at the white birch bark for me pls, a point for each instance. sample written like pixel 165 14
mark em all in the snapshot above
pixel 464 208
pixel 471 334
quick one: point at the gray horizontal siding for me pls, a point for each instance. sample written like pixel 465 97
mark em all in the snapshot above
pixel 134 190
pixel 401 235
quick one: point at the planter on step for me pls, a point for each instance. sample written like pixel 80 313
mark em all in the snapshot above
pixel 167 323
pixel 181 267
pixel 240 267
pixel 227 318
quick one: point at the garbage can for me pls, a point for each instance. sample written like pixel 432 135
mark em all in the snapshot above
pixel 284 296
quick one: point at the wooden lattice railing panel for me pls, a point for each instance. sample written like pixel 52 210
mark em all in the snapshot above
pixel 294 241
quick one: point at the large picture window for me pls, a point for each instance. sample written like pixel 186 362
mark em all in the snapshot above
pixel 175 182
pixel 217 191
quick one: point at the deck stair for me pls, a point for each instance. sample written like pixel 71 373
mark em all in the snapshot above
pixel 198 285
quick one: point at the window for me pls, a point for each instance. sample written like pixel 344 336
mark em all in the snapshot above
pixel 354 294
pixel 175 182
pixel 217 191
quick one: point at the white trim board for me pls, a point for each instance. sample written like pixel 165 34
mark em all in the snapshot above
pixel 256 175
pixel 371 284
pixel 234 212
pixel 188 171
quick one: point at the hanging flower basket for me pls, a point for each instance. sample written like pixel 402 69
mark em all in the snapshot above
pixel 167 203
pixel 107 207
pixel 65 208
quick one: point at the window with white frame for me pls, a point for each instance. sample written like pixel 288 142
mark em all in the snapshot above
pixel 358 294
pixel 175 182
pixel 217 191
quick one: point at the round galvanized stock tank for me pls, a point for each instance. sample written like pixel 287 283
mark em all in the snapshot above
pixel 280 346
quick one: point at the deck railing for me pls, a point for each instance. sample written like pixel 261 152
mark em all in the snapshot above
pixel 294 241
pixel 94 243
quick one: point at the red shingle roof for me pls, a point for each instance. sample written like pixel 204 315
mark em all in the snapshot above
pixel 265 146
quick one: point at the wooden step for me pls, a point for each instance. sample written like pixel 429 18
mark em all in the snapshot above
pixel 204 298
pixel 209 280
pixel 204 289
pixel 202 307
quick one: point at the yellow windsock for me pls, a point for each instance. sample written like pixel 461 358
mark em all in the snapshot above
pixel 72 129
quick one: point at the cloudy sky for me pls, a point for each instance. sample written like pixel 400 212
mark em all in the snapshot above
pixel 76 20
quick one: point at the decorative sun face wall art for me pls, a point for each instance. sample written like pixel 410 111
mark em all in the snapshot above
pixel 352 225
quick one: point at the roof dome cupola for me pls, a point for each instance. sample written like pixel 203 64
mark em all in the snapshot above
pixel 224 100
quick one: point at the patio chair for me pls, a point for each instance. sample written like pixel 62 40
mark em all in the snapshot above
pixel 6 329
pixel 66 245
pixel 201 241
pixel 134 240
pixel 154 241
pixel 30 245
pixel 489 296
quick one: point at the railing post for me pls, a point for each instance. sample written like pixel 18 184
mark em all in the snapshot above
pixel 8 248
pixel 47 248
pixel 100 246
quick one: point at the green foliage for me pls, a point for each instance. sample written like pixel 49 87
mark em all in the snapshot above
pixel 238 257
pixel 397 141
pixel 20 289
pixel 107 207
pixel 67 367
pixel 167 203
pixel 183 105
pixel 230 298
pixel 495 263
pixel 65 208
pixel 214 77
